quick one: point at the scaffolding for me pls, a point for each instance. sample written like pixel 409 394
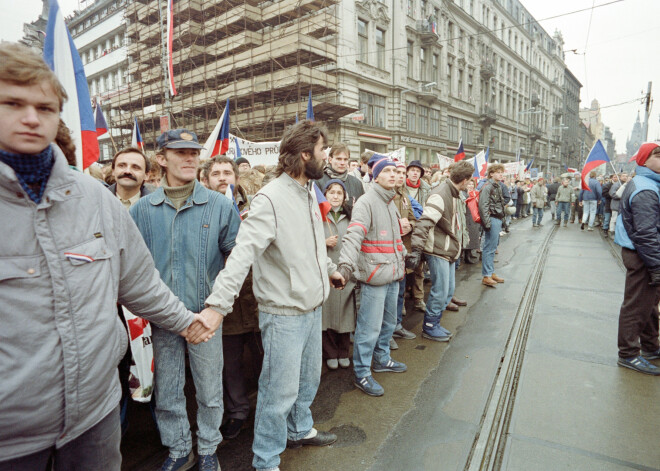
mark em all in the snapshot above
pixel 264 56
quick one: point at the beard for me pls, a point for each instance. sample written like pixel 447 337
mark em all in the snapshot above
pixel 314 169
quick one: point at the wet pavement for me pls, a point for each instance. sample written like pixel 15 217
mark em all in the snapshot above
pixel 571 406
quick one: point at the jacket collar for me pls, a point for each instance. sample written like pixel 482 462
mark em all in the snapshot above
pixel 648 173
pixel 454 192
pixel 200 195
pixel 385 195
pixel 289 181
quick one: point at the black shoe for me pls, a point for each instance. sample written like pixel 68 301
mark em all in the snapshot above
pixel 231 428
pixel 582 226
pixel 321 439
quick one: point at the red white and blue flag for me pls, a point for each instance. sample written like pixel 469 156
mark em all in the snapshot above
pixel 62 57
pixel 310 108
pixel 170 38
pixel 570 169
pixel 529 165
pixel 218 141
pixel 99 119
pixel 324 205
pixel 460 153
pixel 229 193
pixel 481 164
pixel 136 140
pixel 597 157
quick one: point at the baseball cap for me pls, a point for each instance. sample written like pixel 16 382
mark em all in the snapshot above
pixel 178 139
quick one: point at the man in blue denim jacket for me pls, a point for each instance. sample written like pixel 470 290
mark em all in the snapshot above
pixel 189 231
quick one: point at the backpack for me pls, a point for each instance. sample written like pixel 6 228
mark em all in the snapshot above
pixel 472 203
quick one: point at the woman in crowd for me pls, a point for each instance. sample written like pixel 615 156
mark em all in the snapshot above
pixel 339 308
pixel 471 249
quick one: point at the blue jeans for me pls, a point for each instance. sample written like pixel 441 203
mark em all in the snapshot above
pixel 443 284
pixel 375 324
pixel 589 212
pixel 537 216
pixel 97 449
pixel 563 207
pixel 289 379
pixel 169 379
pixel 606 220
pixel 491 239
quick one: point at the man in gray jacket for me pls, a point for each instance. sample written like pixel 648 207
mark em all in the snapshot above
pixel 284 243
pixel 69 252
pixel 372 250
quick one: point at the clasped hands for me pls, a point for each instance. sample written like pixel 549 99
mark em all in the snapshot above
pixel 203 327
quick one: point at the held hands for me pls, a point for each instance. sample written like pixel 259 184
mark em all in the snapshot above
pixel 203 327
pixel 331 241
pixel 405 226
pixel 340 277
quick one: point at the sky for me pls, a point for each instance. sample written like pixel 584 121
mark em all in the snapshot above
pixel 616 45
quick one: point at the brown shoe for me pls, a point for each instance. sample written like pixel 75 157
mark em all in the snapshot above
pixel 488 281
pixel 452 307
pixel 497 278
pixel 459 302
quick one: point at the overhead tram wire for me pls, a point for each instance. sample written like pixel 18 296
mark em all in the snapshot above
pixel 515 25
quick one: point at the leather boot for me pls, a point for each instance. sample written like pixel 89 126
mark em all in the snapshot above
pixel 488 281
pixel 497 278
pixel 452 307
pixel 458 302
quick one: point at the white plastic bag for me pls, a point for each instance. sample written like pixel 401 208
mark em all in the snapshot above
pixel 141 378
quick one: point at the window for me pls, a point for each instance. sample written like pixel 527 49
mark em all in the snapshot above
pixel 373 107
pixel 452 129
pixel 436 69
pixel 410 59
pixel 422 64
pixel 460 83
pixel 460 40
pixel 494 139
pixel 380 48
pixel 423 7
pixel 469 93
pixel 362 40
pixel 449 79
pixel 450 35
pixel 466 132
pixel 410 117
pixel 411 7
pixel 434 129
pixel 423 120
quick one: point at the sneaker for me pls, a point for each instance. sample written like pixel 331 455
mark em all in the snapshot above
pixel 179 464
pixel 403 333
pixel 231 428
pixel 208 463
pixel 332 363
pixel 344 362
pixel 393 345
pixel 640 364
pixel 420 305
pixel 590 228
pixel 390 367
pixel 319 439
pixel 369 386
pixel 651 355
pixel 502 233
pixel 435 333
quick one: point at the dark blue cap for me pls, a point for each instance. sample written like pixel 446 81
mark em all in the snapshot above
pixel 178 139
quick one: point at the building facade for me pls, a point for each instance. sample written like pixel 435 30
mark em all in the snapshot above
pixel 571 132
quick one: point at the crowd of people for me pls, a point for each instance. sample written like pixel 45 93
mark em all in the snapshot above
pixel 295 263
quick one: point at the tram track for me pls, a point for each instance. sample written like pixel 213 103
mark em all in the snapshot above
pixel 489 444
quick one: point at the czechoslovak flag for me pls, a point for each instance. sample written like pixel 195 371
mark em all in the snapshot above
pixel 218 141
pixel 481 164
pixel 324 205
pixel 597 157
pixel 136 140
pixel 99 119
pixel 62 57
pixel 460 153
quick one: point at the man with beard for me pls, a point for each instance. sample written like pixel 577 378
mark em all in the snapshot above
pixel 129 168
pixel 337 168
pixel 284 243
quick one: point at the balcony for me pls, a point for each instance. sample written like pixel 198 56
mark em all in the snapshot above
pixel 427 32
pixel 487 70
pixel 535 133
pixel 487 116
pixel 535 100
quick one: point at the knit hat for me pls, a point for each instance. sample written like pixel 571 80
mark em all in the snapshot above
pixel 380 165
pixel 644 152
pixel 242 160
pixel 332 181
pixel 375 158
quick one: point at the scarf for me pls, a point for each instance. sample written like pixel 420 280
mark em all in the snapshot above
pixel 412 185
pixel 32 170
pixel 336 175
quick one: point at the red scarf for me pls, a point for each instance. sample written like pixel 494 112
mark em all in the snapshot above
pixel 412 185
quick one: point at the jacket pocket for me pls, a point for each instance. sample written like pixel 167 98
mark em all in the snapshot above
pixel 88 252
pixel 20 267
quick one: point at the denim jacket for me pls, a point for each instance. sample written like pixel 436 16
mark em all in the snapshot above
pixel 190 245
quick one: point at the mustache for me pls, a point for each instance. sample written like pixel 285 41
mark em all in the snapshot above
pixel 127 175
